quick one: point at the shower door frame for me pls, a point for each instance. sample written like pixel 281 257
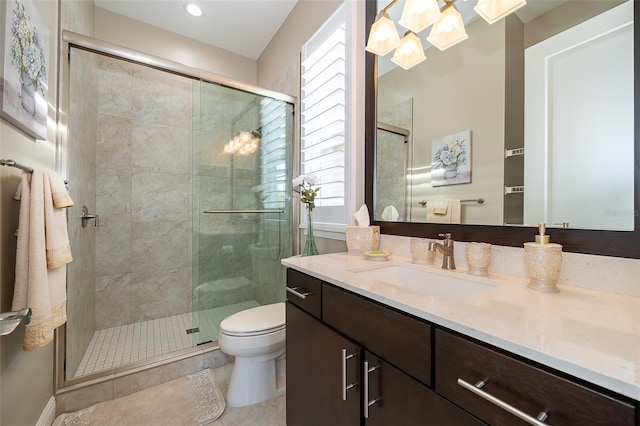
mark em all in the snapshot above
pixel 74 40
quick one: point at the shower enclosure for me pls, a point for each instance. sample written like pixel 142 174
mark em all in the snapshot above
pixel 190 183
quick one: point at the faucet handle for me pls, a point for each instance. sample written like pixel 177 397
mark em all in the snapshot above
pixel 447 235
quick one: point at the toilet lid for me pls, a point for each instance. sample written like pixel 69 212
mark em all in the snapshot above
pixel 258 320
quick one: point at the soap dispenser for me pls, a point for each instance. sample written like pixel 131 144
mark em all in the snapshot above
pixel 543 261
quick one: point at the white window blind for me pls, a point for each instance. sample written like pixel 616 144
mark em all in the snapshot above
pixel 274 115
pixel 324 112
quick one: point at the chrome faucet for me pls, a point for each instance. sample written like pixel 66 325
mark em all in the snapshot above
pixel 446 248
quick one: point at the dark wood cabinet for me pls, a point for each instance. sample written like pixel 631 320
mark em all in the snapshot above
pixel 395 398
pixel 318 391
pixel 399 338
pixel 402 370
pixel 523 386
pixel 329 377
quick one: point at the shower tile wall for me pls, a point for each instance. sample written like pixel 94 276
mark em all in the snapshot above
pixel 390 164
pixel 81 322
pixel 143 185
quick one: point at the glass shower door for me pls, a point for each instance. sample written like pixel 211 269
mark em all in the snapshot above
pixel 242 214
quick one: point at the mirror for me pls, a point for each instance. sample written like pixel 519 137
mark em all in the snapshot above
pixel 493 121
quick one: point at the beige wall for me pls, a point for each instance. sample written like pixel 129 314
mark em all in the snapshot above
pixel 136 35
pixel 26 378
pixel 303 21
pixel 459 89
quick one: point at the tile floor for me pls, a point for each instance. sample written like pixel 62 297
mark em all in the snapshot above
pixel 268 413
pixel 116 346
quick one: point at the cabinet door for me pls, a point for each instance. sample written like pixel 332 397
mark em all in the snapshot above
pixel 394 398
pixel 319 375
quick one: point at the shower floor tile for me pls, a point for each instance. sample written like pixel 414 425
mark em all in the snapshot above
pixel 116 346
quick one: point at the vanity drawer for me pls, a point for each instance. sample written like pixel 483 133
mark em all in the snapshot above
pixel 400 339
pixel 305 292
pixel 523 386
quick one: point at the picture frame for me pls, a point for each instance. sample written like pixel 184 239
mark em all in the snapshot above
pixel 24 68
pixel 451 159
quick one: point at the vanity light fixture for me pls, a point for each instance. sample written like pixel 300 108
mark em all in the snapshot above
pixel 383 37
pixel 419 14
pixel 493 10
pixel 409 52
pixel 449 29
pixel 193 9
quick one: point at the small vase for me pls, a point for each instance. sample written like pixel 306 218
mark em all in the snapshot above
pixel 310 248
pixel 450 171
pixel 27 92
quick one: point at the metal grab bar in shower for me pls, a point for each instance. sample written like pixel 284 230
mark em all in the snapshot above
pixel 244 211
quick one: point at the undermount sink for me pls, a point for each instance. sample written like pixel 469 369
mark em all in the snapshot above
pixel 426 282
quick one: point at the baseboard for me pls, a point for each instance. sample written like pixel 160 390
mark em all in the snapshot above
pixel 48 414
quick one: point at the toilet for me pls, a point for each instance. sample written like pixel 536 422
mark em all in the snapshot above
pixel 256 337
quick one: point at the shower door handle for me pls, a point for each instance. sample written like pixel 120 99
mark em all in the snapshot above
pixel 10 320
pixel 86 217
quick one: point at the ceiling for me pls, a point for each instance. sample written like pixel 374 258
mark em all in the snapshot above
pixel 244 27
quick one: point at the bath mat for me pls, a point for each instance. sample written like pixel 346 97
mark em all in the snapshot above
pixel 189 400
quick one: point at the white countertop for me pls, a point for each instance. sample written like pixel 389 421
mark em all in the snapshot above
pixel 588 334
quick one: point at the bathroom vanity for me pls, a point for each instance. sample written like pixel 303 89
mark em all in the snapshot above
pixel 361 349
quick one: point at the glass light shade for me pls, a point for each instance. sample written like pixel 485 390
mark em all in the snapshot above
pixel 448 30
pixel 419 14
pixel 493 10
pixel 383 37
pixel 409 52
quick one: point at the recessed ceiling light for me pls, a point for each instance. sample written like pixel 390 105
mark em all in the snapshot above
pixel 193 9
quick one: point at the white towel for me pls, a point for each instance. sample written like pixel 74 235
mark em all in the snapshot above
pixel 440 206
pixel 452 211
pixel 42 252
pixel 390 214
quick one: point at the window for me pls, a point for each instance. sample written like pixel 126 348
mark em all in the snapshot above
pixel 326 72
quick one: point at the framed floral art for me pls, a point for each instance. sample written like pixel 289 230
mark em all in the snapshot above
pixel 451 159
pixel 24 68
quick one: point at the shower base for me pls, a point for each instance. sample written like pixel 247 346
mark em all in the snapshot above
pixel 116 346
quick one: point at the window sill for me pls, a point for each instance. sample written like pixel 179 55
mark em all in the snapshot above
pixel 333 231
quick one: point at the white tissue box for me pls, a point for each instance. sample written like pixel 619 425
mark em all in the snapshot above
pixel 363 238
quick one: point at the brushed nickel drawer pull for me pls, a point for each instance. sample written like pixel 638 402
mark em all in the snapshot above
pixel 297 291
pixel 368 402
pixel 345 386
pixel 507 407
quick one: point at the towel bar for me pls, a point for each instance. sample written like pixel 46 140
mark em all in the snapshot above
pixel 10 320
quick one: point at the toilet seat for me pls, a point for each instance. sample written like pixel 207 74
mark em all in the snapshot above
pixel 256 321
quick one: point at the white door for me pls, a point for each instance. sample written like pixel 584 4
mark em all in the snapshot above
pixel 579 131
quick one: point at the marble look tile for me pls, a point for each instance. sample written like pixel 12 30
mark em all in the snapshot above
pixel 84 397
pixel 160 196
pixel 161 98
pixel 158 295
pixel 158 246
pixel 134 382
pixel 82 124
pixel 113 294
pixel 217 360
pixel 113 142
pixel 114 87
pixel 113 195
pixel 162 149
pixel 113 250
